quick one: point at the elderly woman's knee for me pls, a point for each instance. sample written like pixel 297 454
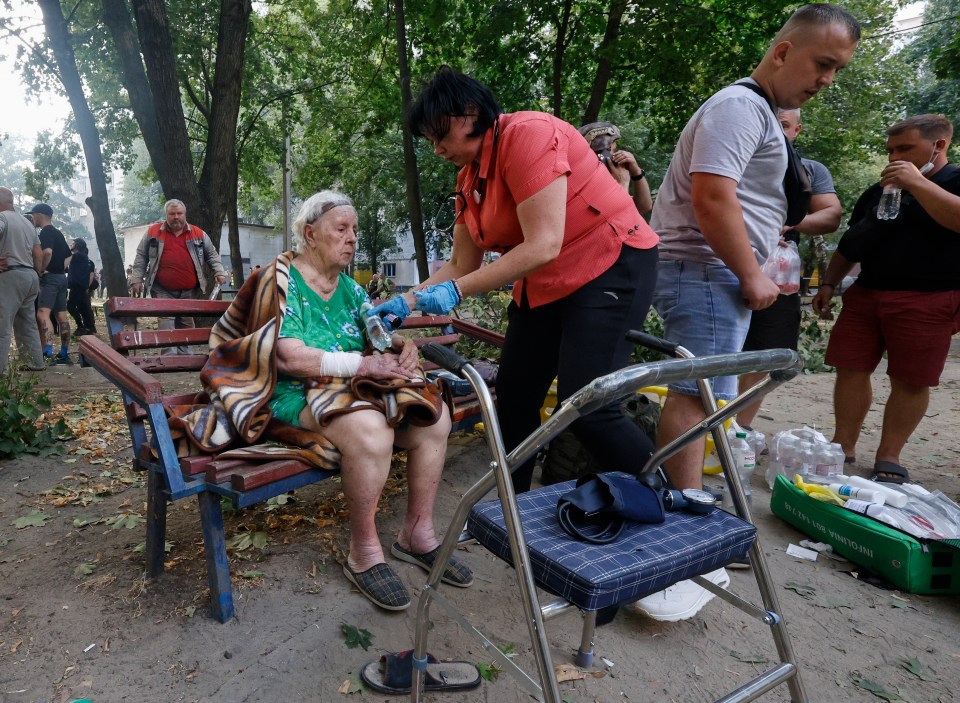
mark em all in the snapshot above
pixel 363 431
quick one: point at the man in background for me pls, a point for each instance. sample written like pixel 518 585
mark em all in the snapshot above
pixel 53 285
pixel 906 300
pixel 778 326
pixel 21 260
pixel 169 263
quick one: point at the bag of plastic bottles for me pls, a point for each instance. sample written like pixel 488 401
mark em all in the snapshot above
pixel 783 268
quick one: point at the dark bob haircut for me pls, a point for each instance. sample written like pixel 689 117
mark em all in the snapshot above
pixel 451 94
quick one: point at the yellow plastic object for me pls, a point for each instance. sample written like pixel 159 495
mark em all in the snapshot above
pixel 711 465
pixel 818 492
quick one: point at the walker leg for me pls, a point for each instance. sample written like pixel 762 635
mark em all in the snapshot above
pixel 584 656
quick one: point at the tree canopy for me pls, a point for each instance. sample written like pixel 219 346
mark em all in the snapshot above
pixel 213 88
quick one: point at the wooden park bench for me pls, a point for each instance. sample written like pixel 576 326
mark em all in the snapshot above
pixel 131 360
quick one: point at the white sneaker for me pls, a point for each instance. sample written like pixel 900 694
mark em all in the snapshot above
pixel 682 600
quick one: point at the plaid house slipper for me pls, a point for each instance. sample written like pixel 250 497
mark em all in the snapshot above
pixel 456 574
pixel 393 673
pixel 381 585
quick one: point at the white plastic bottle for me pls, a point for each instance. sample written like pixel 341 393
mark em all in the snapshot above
pixel 745 460
pixel 893 496
pixel 377 333
pixel 889 206
pixel 845 490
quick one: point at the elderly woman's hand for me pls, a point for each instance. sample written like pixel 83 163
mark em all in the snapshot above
pixel 395 306
pixel 408 355
pixel 384 366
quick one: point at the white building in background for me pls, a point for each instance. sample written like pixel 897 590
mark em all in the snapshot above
pixel 259 244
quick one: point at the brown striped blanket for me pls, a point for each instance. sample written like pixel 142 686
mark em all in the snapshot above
pixel 232 417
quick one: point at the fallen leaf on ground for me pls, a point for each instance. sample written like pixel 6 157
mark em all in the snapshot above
pixel 567 672
pixel 33 519
pixel 356 637
pixel 351 685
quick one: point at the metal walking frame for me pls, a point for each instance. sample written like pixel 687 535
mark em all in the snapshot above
pixel 616 387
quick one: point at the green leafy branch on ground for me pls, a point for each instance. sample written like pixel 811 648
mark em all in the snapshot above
pixel 24 429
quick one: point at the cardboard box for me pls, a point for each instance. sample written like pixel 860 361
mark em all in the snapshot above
pixel 915 566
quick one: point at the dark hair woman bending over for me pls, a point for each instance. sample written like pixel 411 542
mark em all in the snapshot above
pixel 582 260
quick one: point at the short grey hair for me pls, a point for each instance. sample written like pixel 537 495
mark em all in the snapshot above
pixel 789 111
pixel 6 196
pixel 173 202
pixel 313 208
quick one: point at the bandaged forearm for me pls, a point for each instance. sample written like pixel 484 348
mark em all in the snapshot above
pixel 339 364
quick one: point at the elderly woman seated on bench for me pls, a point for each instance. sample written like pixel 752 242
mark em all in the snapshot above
pixel 332 393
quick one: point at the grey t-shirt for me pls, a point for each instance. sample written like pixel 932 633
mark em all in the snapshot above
pixel 17 237
pixel 733 134
pixel 821 182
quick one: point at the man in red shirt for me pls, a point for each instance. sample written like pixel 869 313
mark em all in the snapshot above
pixel 169 263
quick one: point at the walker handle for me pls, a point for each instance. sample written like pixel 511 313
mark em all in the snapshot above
pixel 648 340
pixel 445 358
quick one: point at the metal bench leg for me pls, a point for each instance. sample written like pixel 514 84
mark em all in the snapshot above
pixel 215 551
pixel 156 523
pixel 584 656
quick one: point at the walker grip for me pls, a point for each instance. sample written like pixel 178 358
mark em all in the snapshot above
pixel 445 358
pixel 651 342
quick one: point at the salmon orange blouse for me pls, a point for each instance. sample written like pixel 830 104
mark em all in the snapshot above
pixel 522 153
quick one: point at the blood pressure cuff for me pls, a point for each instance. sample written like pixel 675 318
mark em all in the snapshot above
pixel 597 510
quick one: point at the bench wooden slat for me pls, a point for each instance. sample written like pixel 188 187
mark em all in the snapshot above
pixel 172 363
pixel 254 475
pixel 129 340
pixel 445 339
pixel 119 370
pixel 193 465
pixel 160 307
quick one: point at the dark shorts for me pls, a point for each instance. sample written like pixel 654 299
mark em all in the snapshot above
pixel 913 327
pixel 53 292
pixel 775 327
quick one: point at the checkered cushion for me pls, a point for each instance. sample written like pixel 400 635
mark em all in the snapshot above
pixel 643 560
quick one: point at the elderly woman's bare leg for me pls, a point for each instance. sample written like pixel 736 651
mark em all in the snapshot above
pixel 366 445
pixel 426 452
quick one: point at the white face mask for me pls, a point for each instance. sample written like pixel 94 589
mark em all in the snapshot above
pixel 927 167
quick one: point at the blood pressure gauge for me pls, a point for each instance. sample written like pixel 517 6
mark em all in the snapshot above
pixel 692 500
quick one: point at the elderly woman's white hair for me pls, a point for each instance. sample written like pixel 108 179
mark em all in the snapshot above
pixel 313 208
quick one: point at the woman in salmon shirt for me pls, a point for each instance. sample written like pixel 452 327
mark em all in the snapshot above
pixel 581 258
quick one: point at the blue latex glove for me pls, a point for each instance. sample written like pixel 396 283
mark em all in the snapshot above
pixel 439 299
pixel 395 306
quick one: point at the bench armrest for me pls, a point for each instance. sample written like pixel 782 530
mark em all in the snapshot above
pixel 477 332
pixel 129 378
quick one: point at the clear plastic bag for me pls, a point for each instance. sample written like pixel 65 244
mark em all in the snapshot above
pixel 783 268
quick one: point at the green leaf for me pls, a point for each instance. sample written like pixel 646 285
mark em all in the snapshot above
pixel 568 698
pixel 252 574
pixel 142 547
pixel 239 542
pixel 353 685
pixel 489 672
pixel 34 519
pixel 190 610
pixel 85 570
pixel 877 689
pixel 260 539
pixel 356 637
pixel 801 589
pixel 916 667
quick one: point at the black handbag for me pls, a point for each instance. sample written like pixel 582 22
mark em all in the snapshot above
pixel 598 509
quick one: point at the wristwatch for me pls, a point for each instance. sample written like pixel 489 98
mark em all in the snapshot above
pixel 692 500
pixel 640 176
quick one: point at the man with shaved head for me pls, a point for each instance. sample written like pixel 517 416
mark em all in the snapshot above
pixel 719 214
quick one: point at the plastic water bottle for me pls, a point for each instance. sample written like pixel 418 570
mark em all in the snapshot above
pixel 746 461
pixel 377 333
pixel 889 206
pixel 828 459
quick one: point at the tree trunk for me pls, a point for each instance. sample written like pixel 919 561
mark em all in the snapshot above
pixel 156 46
pixel 414 201
pixel 219 178
pixel 605 62
pixel 560 47
pixel 233 236
pixel 58 35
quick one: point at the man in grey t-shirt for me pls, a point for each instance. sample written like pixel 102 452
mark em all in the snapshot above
pixel 719 213
pixel 20 262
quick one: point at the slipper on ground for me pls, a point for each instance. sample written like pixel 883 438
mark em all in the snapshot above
pixel 393 673
pixel 889 472
pixel 381 586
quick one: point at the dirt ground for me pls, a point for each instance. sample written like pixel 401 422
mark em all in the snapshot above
pixel 78 619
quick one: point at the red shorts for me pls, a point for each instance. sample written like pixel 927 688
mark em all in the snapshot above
pixel 913 327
